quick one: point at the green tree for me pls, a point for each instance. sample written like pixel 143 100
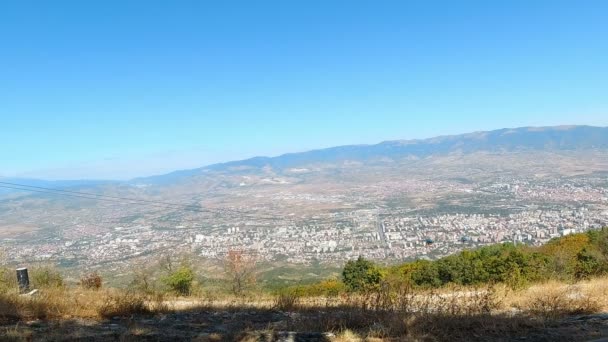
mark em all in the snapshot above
pixel 180 280
pixel 425 274
pixel 588 263
pixel 563 252
pixel 361 275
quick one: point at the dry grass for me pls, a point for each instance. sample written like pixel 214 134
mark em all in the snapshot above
pixel 66 303
pixel 555 299
pixel 347 336
pixel 213 337
pixel 123 304
pixel 286 302
pixel 51 303
pixel 91 281
pixel 393 312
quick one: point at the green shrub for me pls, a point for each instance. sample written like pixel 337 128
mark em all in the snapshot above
pixel 324 288
pixel 180 281
pixel 575 256
pixel 589 263
pixel 5 281
pixel 46 277
pixel 361 275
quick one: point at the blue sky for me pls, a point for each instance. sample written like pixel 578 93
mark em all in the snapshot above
pixel 117 89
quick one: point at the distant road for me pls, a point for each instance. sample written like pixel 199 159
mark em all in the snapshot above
pixel 381 229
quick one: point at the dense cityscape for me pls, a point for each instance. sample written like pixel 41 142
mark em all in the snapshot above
pixel 113 236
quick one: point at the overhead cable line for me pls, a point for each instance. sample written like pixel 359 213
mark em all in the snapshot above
pixel 98 198
pixel 117 199
pixel 99 195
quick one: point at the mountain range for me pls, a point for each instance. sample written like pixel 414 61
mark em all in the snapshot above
pixel 507 140
pixel 556 138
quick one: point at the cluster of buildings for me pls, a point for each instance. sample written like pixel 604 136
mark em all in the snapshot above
pixel 521 211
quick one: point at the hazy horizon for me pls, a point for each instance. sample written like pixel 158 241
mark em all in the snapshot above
pixel 194 164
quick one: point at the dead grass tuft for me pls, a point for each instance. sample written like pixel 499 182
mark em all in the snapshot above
pixel 91 281
pixel 554 299
pixel 392 312
pixel 286 302
pixel 123 304
pixel 347 336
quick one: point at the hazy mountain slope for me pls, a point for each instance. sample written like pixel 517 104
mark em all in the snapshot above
pixel 504 140
pixel 559 138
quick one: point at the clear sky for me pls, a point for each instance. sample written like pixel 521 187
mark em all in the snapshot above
pixel 117 89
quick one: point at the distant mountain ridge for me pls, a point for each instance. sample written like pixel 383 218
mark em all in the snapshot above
pixel 502 140
pixel 555 138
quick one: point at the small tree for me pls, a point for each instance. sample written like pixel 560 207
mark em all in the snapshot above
pixel 180 281
pixel 91 281
pixel 361 275
pixel 240 270
pixel 588 263
pixel 143 281
pixel 167 263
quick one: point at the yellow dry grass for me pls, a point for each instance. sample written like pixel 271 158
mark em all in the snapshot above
pixel 551 298
pixel 554 298
pixel 378 316
pixel 347 336
pixel 67 303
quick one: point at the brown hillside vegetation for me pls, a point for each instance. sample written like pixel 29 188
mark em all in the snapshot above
pixel 556 292
pixel 548 311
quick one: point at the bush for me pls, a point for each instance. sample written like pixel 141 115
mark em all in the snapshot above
pixel 328 288
pixel 46 277
pixel 361 275
pixel 180 281
pixel 6 282
pixel 287 301
pixel 589 263
pixel 325 288
pixel 91 281
pixel 122 305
